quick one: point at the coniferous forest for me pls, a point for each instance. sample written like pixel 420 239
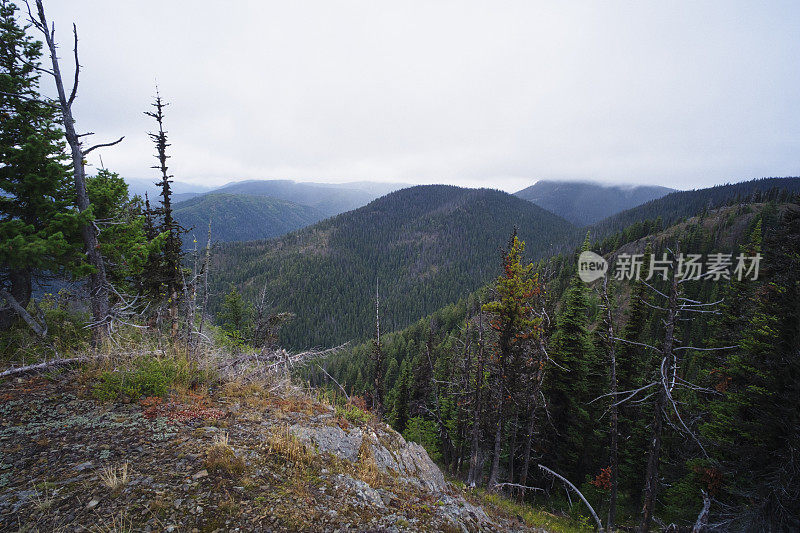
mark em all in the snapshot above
pixel 365 356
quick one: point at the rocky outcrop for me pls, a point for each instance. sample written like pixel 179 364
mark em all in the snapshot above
pixel 391 454
pixel 250 460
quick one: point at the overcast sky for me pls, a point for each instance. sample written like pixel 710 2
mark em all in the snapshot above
pixel 498 94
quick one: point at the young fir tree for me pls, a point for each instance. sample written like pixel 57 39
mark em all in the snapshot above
pixel 633 360
pixel 123 239
pixel 516 327
pixel 37 216
pixel 568 385
pixel 236 316
pixel 171 275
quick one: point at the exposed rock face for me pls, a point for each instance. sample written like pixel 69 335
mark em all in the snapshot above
pixel 390 451
pixel 331 439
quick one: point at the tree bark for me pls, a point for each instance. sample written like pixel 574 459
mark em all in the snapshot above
pixel 651 476
pixel 614 453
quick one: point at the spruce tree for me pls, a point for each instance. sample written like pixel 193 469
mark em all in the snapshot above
pixel 37 217
pixel 170 275
pixel 568 384
pixel 516 328
pixel 754 422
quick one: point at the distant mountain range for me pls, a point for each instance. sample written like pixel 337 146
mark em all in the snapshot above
pixel 260 209
pixel 681 204
pixel 425 246
pixel 584 202
pixel 241 217
pixel 180 189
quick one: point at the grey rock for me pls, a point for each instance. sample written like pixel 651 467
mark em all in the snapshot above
pixel 331 439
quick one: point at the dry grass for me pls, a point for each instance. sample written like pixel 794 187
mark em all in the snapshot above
pixel 366 467
pixel 250 394
pixel 114 478
pixel 118 523
pixel 44 500
pixel 281 441
pixel 220 457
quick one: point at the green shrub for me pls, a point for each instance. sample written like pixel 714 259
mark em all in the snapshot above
pixel 353 414
pixel 424 432
pixel 147 376
pixel 66 331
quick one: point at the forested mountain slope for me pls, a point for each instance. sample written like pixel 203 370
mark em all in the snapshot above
pixel 680 204
pixel 738 403
pixel 328 199
pixel 585 202
pixel 424 246
pixel 241 217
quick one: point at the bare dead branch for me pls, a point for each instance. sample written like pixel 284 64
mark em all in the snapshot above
pixel 103 145
pixel 347 397
pixel 573 487
pixel 74 91
pixel 518 486
pixel 39 329
pixel 630 393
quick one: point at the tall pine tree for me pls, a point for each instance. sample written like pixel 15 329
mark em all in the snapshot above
pixel 37 216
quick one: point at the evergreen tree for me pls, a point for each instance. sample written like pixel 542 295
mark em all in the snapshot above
pixel 171 275
pixel 568 387
pixel 37 217
pixel 516 328
pixel 236 316
pixel 754 424
pixel 123 240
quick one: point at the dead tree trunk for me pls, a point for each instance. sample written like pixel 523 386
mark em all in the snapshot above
pixel 651 475
pixel 20 290
pixel 498 447
pixel 533 402
pixel 206 266
pixel 526 458
pixel 39 329
pixel 701 523
pixel 377 357
pixel 513 447
pixel 98 284
pixel 474 467
pixel 614 452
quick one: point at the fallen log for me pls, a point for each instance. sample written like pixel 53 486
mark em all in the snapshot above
pixel 40 366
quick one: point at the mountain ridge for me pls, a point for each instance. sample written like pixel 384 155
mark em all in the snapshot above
pixel 586 202
pixel 424 245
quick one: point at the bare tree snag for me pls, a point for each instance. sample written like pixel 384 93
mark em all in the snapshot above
pixel 377 357
pixel 702 519
pixel 580 495
pixel 474 467
pixel 654 455
pixel 614 452
pixel 98 284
